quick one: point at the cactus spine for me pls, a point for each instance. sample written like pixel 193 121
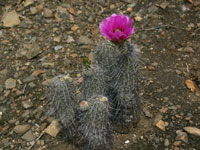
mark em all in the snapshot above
pixel 61 94
pixel 94 83
pixel 126 84
pixel 94 123
pixel 121 64
pixel 109 90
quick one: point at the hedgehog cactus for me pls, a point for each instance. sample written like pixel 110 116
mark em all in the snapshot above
pixel 119 61
pixel 109 90
pixel 61 95
pixel 94 83
pixel 121 64
pixel 94 123
pixel 126 85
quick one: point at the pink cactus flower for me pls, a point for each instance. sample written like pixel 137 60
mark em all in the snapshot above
pixel 117 28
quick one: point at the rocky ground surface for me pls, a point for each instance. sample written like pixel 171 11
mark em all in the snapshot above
pixel 40 39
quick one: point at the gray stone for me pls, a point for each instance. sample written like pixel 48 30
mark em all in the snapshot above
pixel 189 49
pixel 29 79
pixel 42 142
pixel 48 13
pixel 164 5
pixel 166 143
pixel 189 115
pixel 1 33
pixel 28 3
pixel 20 129
pixel 33 10
pixel 12 121
pixel 38 115
pixel 32 85
pixel 184 8
pixel 147 113
pixel 10 83
pixel 84 40
pixel 46 82
pixel 157 118
pixel 129 1
pixel 3 72
pixel 132 4
pixel 1 98
pixel 192 130
pixel 28 136
pixel 6 144
pixel 91 19
pixel 152 9
pixel 56 48
pixel 3 109
pixel 26 114
pixel 33 51
pixel 173 107
pixel 182 136
pixel 20 53
pixel 27 104
pixel 102 2
pixel 19 93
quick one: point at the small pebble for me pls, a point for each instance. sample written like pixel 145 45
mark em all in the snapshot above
pixel 127 141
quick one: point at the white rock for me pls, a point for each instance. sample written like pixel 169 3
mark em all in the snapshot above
pixel 192 130
pixel 58 47
pixel 27 104
pixel 48 13
pixel 84 40
pixel 10 19
pixel 70 39
pixel 20 129
pixel 127 141
pixel 10 83
pixel 28 2
pixel 53 129
pixel 33 10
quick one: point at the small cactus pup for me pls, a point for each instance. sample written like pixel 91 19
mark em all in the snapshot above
pixel 118 60
pixel 94 124
pixel 94 82
pixel 62 96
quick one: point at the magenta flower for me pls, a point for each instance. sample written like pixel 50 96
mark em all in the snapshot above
pixel 117 28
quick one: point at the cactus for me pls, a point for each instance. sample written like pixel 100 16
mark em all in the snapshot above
pixel 121 64
pixel 61 94
pixel 94 124
pixel 94 82
pixel 106 53
pixel 127 86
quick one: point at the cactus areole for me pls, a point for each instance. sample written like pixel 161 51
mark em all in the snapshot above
pixel 117 28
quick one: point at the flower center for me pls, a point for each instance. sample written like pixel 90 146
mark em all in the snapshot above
pixel 117 30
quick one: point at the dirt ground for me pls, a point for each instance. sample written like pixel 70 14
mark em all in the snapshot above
pixel 50 37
